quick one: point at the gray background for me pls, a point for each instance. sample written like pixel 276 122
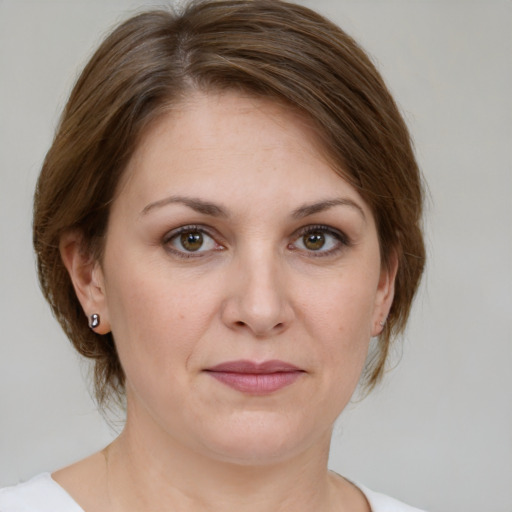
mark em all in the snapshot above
pixel 438 432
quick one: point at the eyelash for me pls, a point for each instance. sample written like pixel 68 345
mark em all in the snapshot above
pixel 343 241
pixel 188 229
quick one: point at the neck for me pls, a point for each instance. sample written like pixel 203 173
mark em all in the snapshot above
pixel 146 473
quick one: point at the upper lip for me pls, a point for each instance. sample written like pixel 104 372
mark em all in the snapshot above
pixel 252 367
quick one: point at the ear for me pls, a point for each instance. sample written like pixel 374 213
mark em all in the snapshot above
pixel 87 277
pixel 385 294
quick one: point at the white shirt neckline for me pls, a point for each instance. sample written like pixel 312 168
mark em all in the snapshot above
pixel 43 494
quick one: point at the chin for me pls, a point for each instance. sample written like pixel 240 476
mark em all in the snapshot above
pixel 262 440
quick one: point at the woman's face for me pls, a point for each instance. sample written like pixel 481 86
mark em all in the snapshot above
pixel 241 280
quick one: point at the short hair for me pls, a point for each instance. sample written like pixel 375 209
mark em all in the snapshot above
pixel 268 48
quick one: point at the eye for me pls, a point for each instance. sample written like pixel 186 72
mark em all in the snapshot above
pixel 188 240
pixel 322 240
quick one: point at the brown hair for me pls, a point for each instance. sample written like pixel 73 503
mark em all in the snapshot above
pixel 269 48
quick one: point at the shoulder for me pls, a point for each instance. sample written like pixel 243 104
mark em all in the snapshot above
pixel 40 494
pixel 382 503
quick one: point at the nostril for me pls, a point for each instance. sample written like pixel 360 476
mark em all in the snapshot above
pixel 240 323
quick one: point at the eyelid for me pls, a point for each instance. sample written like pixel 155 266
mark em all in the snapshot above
pixel 169 236
pixel 324 228
pixel 342 238
pixel 184 229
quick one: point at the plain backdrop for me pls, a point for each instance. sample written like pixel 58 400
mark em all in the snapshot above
pixel 438 432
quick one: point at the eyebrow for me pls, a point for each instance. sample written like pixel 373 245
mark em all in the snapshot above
pixel 320 206
pixel 200 206
pixel 208 208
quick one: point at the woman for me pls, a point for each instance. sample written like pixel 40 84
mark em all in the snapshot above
pixel 229 212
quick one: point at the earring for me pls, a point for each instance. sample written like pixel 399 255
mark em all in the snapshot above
pixel 382 323
pixel 94 320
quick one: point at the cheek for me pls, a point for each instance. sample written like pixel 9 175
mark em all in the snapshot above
pixel 158 330
pixel 156 321
pixel 342 309
pixel 339 318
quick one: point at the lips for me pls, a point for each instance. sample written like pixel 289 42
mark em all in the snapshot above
pixel 255 378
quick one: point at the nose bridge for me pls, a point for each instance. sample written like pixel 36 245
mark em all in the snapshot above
pixel 258 299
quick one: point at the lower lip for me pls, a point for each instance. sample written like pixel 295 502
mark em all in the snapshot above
pixel 257 383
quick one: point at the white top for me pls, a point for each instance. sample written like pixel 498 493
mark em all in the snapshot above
pixel 43 494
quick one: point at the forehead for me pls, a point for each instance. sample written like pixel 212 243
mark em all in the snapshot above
pixel 231 145
pixel 221 120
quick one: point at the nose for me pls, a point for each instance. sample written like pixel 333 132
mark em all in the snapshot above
pixel 257 296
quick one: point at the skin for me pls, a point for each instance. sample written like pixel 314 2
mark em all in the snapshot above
pixel 249 176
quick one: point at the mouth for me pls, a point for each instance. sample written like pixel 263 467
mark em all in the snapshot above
pixel 255 378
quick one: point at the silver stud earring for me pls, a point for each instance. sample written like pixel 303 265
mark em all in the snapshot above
pixel 382 323
pixel 94 320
